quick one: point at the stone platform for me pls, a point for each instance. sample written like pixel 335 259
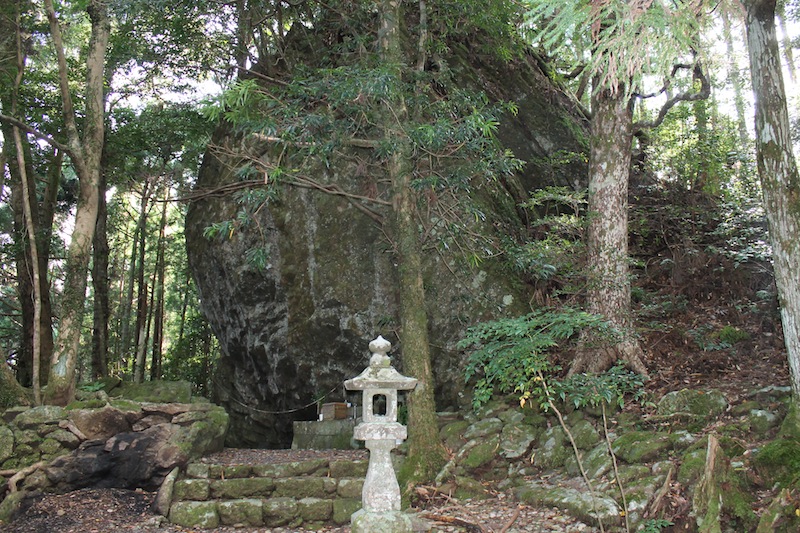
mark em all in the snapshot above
pixel 308 493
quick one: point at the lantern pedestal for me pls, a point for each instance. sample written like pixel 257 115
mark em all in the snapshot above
pixel 380 497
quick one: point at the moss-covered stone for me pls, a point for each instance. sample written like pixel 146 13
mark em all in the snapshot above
pixel 192 489
pixel 315 509
pixel 468 488
pixel 641 446
pixel 516 440
pixel 279 511
pixel 247 512
pixel 691 468
pixel 553 449
pixel 348 469
pixel 235 489
pixel 779 462
pixel 36 416
pixel 584 434
pixel 197 470
pixel 343 509
pixel 350 488
pixel 484 428
pixel 194 514
pixel 6 443
pixel 157 391
pixel 781 516
pixel 452 434
pixel 482 454
pixel 300 487
pixel 318 467
pixel 706 404
pixel 578 503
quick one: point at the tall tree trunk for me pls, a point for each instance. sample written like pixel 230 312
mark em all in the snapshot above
pixel 100 284
pixel 608 279
pixel 158 320
pixel 127 303
pixel 85 154
pixel 735 80
pixel 777 168
pixel 786 42
pixel 140 333
pixel 426 454
pixel 35 266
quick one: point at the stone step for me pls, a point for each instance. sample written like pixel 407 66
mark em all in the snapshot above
pixel 307 493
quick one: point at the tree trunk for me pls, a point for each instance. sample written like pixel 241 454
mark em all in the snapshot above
pixel 786 41
pixel 35 266
pixel 158 320
pixel 426 455
pixel 608 281
pixel 777 168
pixel 100 284
pixel 85 154
pixel 735 80
pixel 141 300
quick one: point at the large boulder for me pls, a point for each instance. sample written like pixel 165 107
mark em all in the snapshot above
pixel 293 329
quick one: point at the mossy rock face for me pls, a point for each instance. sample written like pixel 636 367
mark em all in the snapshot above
pixel 553 449
pixel 597 462
pixel 585 434
pixel 240 513
pixel 779 462
pixel 641 446
pixel 36 416
pixel 315 509
pixel 579 503
pixel 762 421
pixel 348 469
pixel 691 467
pixel 452 434
pixel 350 488
pixel 706 404
pixel 202 515
pixel 781 516
pixel 516 440
pixel 6 443
pixel 192 489
pixel 156 391
pixel 343 509
pixel 484 428
pixel 468 488
pixel 235 489
pixel 482 454
pixel 279 511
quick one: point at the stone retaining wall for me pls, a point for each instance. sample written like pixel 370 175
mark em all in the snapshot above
pixel 309 493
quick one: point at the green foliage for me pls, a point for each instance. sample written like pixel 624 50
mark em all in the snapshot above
pixel 654 525
pixel 708 339
pixel 554 248
pixel 594 390
pixel 511 355
pixel 633 42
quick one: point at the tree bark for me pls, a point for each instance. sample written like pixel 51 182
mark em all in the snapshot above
pixel 778 171
pixel 426 454
pixel 158 320
pixel 85 153
pixel 100 284
pixel 608 279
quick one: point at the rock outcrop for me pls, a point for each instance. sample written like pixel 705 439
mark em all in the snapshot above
pixel 292 330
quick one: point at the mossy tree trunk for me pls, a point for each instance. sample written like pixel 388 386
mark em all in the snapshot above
pixel 608 278
pixel 85 153
pixel 426 454
pixel 777 169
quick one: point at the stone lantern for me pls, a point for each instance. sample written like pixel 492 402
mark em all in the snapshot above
pixel 380 497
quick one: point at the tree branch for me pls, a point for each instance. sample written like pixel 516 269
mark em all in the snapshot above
pixel 36 133
pixel 688 96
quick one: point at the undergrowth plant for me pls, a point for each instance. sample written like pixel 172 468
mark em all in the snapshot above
pixel 512 355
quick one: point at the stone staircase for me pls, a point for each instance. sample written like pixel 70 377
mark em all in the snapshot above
pixel 307 493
